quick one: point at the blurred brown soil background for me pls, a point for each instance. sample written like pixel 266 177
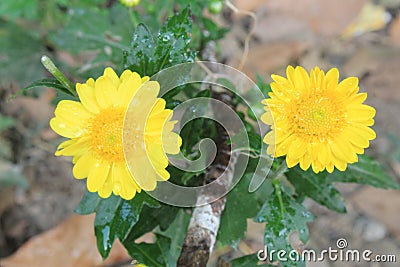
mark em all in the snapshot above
pixel 360 37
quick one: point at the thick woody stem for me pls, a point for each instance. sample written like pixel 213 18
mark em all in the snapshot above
pixel 204 224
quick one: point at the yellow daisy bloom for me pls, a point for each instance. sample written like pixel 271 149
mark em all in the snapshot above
pixel 316 120
pixel 95 127
pixel 129 3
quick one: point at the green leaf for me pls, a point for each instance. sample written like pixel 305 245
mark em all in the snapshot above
pixel 241 205
pixel 153 255
pixel 317 187
pixel 174 39
pixel 141 55
pixel 284 215
pixel 168 245
pixel 176 232
pixel 365 171
pixel 248 260
pixel 264 87
pixel 254 141
pixel 20 52
pixel 105 31
pixel 88 204
pixel 151 217
pixel 213 30
pixel 19 8
pixel 47 82
pixel 148 56
pixel 115 217
pixel 187 177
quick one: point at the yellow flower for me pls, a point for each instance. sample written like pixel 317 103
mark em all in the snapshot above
pixel 129 3
pixel 316 120
pixel 96 129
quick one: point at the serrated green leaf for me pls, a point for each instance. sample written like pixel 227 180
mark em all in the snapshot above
pixel 153 255
pixel 365 171
pixel 47 82
pixel 150 218
pixel 240 206
pixel 317 187
pixel 115 217
pixel 166 250
pixel 141 54
pixel 88 204
pixel 283 216
pixel 148 56
pixel 176 232
pixel 173 40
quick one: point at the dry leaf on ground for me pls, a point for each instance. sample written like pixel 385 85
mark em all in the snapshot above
pixel 70 244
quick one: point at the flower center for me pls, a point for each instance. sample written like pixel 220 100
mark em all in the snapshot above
pixel 317 117
pixel 105 133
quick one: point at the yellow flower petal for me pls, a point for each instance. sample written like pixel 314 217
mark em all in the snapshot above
pixel 106 190
pixel 103 142
pixel 171 143
pixel 97 176
pixel 332 78
pixel 317 121
pixel 78 147
pixel 123 183
pixel 348 86
pixel 83 166
pixel 291 161
pixel 64 129
pixel 305 162
pixel 297 148
pixel 128 88
pixel 361 112
pixel 144 173
pixel 87 97
pixel 105 92
pixel 157 156
pixel 113 77
pixel 70 119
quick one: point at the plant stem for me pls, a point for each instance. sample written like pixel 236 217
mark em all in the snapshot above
pixel 277 185
pixel 51 67
pixel 132 16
